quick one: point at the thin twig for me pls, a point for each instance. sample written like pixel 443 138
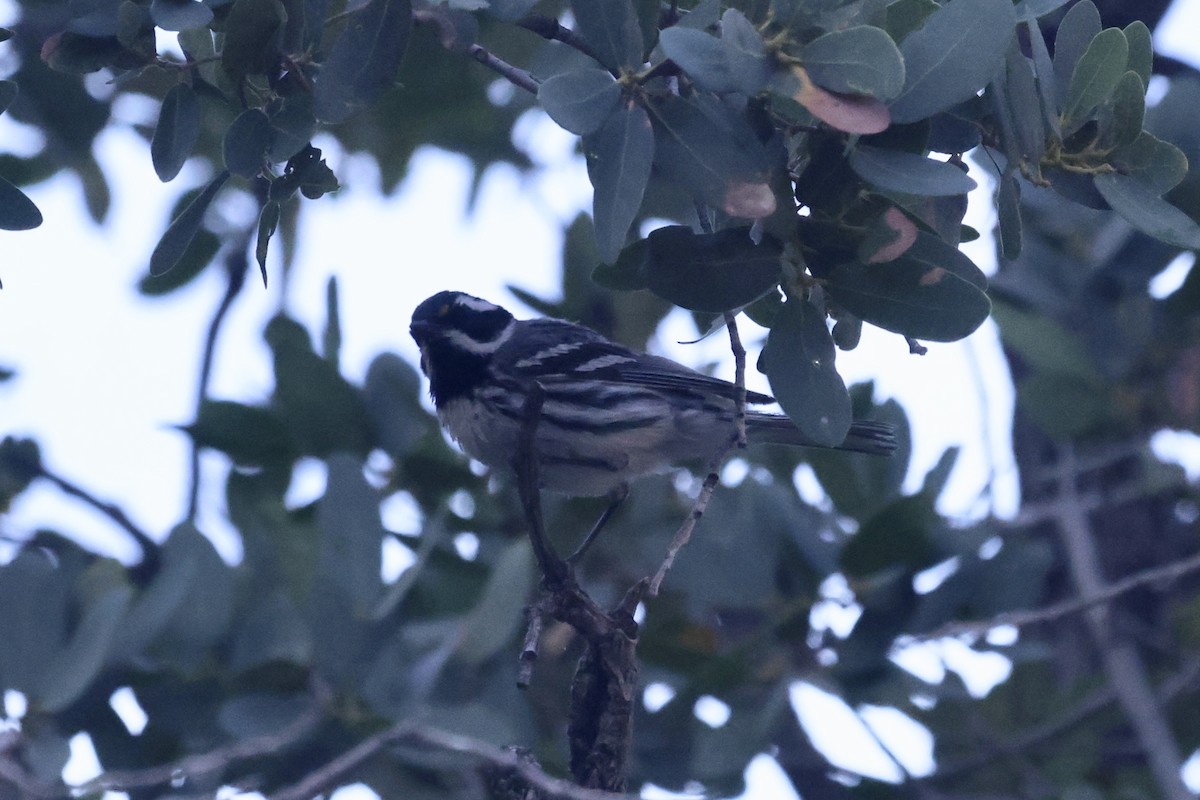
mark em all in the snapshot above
pixel 529 648
pixel 515 75
pixel 739 377
pixel 328 774
pixel 685 530
pixel 1163 574
pixel 548 28
pixel 1124 668
pixel 149 546
pixel 236 265
pixel 188 768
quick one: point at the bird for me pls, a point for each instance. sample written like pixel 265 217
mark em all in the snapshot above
pixel 608 414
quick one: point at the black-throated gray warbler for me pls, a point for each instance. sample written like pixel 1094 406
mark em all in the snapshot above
pixel 608 414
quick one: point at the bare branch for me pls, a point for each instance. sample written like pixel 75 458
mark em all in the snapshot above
pixel 1161 575
pixel 685 530
pixel 739 377
pixel 1123 665
pixel 327 775
pixel 548 28
pixel 515 75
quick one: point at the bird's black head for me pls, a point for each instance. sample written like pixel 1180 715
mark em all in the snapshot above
pixel 458 334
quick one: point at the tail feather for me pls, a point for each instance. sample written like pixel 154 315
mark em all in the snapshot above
pixel 865 436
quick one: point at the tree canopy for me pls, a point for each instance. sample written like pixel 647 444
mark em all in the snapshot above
pixel 803 164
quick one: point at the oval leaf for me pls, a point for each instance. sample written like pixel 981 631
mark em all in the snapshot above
pixel 1141 50
pixel 180 15
pixel 619 157
pixel 580 100
pixel 246 143
pixel 920 294
pixel 17 211
pixel 176 132
pixel 1079 26
pixel 953 56
pixel 1095 77
pixel 858 60
pixel 611 29
pixel 848 113
pixel 179 234
pixel 711 272
pixel 364 60
pixel 710 148
pixel 71 669
pixel 799 362
pixel 1146 211
pixel 908 172
pixel 701 56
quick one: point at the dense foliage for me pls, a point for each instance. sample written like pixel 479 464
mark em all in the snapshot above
pixel 809 157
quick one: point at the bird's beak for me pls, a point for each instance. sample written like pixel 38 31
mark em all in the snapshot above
pixel 419 330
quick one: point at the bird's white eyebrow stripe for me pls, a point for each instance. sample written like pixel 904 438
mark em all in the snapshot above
pixel 475 304
pixel 464 341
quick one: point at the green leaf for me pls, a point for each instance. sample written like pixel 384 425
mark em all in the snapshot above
pixel 611 29
pixel 180 15
pixel 34 596
pixel 848 113
pixel 711 272
pixel 908 172
pixel 799 363
pixel 1145 210
pixel 924 294
pixel 292 127
pixel 745 52
pixel 1008 208
pixel 199 254
pixel 1159 165
pixel 495 619
pixel 1022 95
pixel 1032 9
pixel 8 93
pixel 1095 77
pixel 954 55
pixel 179 234
pixel 268 220
pixel 906 16
pixel 253 32
pixel 619 156
pixel 1044 344
pixel 702 56
pixel 710 148
pixel 69 672
pixel 364 60
pixel 246 143
pixel 628 272
pixel 1141 50
pixel 1121 119
pixel 249 435
pixel 898 535
pixel 1043 68
pixel 323 412
pixel 176 133
pixel 351 536
pixel 1079 26
pixel 858 60
pixel 204 618
pixel 17 211
pixel 580 100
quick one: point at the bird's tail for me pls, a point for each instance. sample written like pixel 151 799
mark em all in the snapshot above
pixel 865 436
